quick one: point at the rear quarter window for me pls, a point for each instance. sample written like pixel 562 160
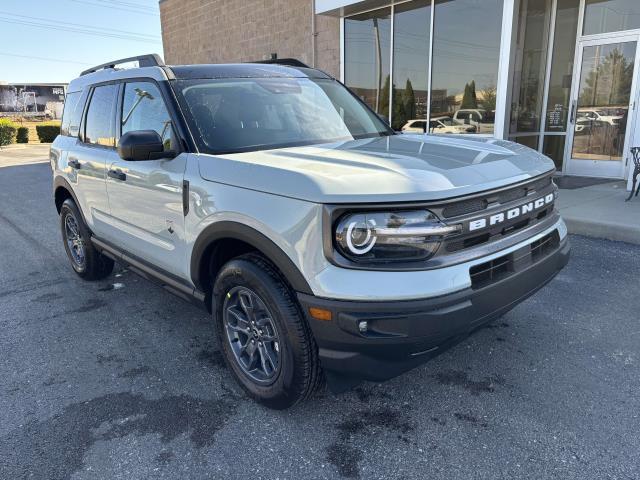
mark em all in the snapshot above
pixel 72 113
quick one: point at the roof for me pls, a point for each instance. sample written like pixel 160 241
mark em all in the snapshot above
pixel 244 70
pixel 188 72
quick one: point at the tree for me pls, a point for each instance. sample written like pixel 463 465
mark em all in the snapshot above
pixel 609 83
pixel 384 98
pixel 469 99
pixel 409 101
pixel 489 96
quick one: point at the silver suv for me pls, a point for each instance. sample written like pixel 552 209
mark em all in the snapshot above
pixel 324 245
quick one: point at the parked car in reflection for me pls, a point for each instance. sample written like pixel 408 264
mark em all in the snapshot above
pixel 449 125
pixel 612 118
pixel 482 119
pixel 438 125
pixel 415 126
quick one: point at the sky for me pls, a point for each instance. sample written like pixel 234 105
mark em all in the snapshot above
pixel 54 40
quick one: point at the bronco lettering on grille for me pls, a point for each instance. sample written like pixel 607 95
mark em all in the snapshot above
pixel 512 213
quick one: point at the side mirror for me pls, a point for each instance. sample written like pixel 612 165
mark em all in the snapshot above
pixel 140 145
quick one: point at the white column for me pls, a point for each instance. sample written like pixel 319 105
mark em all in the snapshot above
pixel 503 106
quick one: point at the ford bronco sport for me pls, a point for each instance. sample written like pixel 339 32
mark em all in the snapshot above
pixel 324 245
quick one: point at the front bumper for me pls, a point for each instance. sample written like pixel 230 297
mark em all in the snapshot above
pixel 402 334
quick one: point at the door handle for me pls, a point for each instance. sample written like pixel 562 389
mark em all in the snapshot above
pixel 117 174
pixel 74 163
pixel 572 115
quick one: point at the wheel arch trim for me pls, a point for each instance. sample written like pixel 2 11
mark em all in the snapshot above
pixel 251 236
pixel 61 182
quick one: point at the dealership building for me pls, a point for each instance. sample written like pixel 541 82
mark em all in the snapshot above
pixel 559 76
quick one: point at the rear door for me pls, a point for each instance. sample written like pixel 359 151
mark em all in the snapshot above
pixel 94 149
pixel 145 197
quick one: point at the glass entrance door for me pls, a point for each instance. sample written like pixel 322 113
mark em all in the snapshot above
pixel 602 107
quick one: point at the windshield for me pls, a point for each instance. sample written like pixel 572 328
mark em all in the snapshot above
pixel 245 114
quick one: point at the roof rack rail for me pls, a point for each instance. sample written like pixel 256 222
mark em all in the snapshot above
pixel 289 62
pixel 150 60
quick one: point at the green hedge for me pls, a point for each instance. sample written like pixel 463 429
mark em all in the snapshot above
pixel 47 132
pixel 8 131
pixel 23 135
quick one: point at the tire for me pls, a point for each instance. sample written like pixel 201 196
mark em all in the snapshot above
pixel 85 260
pixel 296 373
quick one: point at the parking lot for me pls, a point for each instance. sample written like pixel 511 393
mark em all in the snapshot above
pixel 120 380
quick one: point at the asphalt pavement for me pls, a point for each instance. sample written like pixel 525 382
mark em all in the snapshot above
pixel 120 380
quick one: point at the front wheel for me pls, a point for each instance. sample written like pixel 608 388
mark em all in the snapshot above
pixel 85 260
pixel 265 340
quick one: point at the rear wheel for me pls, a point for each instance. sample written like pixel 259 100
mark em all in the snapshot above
pixel 85 260
pixel 265 340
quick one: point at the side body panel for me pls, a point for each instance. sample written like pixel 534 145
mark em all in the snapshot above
pixel 88 181
pixel 294 226
pixel 146 217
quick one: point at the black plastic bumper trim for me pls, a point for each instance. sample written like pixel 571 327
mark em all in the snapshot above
pixel 402 334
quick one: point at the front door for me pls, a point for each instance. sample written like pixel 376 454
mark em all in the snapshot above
pixel 602 107
pixel 145 197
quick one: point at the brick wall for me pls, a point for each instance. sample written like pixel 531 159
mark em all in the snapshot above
pixel 219 31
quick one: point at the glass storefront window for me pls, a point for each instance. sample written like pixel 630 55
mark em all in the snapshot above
pixel 367 57
pixel 530 65
pixel 603 101
pixel 530 141
pixel 466 47
pixel 553 148
pixel 602 16
pixel 412 25
pixel 562 65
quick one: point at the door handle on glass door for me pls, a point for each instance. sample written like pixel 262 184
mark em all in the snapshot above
pixel 572 116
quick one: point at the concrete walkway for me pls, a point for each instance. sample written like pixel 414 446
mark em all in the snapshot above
pixel 600 211
pixel 23 153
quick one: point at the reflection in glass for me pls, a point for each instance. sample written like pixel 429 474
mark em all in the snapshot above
pixel 601 16
pixel 562 65
pixel 466 48
pixel 143 109
pixel 410 62
pixel 99 126
pixel 530 141
pixel 367 42
pixel 554 148
pixel 603 101
pixel 530 65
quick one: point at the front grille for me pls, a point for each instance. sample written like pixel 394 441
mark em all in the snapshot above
pixel 490 272
pixel 487 273
pixel 545 245
pixel 481 203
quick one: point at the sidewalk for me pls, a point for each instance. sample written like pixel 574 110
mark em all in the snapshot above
pixel 23 153
pixel 600 211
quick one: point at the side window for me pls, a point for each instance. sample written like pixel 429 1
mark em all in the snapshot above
pixel 144 109
pixel 99 122
pixel 72 113
pixel 70 104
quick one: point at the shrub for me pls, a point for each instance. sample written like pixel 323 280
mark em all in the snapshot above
pixel 8 131
pixel 47 132
pixel 23 135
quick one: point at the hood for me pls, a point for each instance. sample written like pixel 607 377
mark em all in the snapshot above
pixel 387 169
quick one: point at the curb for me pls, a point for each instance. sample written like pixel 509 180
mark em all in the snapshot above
pixel 608 231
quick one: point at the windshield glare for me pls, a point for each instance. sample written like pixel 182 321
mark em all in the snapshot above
pixel 239 115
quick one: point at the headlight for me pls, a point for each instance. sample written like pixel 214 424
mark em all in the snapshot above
pixel 402 236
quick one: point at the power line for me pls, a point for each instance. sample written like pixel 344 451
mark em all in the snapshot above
pixel 57 60
pixel 77 30
pixel 128 4
pixel 112 7
pixel 81 25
